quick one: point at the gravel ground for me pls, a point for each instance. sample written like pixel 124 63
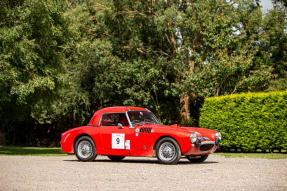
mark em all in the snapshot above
pixel 66 173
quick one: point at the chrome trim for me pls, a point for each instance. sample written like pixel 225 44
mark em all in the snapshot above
pixel 218 138
pixel 100 123
pixel 131 125
pixel 192 136
pixel 218 135
pixel 207 142
pixel 204 138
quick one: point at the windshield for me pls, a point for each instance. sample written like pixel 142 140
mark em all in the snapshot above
pixel 139 117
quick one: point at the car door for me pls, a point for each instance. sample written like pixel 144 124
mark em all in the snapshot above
pixel 115 134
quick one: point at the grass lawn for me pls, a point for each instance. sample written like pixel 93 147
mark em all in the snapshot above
pixel 35 151
pixel 254 155
pixel 56 151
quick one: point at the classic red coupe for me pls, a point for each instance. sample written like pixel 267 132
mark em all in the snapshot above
pixel 133 131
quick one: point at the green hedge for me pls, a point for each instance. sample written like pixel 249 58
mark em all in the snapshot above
pixel 248 121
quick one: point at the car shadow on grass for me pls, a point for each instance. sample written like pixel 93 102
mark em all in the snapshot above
pixel 144 161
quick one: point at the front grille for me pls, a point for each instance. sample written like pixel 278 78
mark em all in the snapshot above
pixel 145 130
pixel 206 147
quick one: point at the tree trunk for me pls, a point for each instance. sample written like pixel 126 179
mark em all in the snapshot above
pixel 187 98
pixel 184 111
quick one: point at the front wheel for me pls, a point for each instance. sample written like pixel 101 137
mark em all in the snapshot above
pixel 85 149
pixel 168 151
pixel 197 159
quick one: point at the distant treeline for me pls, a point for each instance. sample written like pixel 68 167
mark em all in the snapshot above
pixel 61 61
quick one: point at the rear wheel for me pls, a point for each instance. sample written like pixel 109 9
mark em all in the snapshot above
pixel 116 158
pixel 197 159
pixel 85 149
pixel 168 151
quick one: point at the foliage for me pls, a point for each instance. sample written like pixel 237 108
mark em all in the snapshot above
pixel 219 41
pixel 248 121
pixel 32 39
pixel 116 59
pixel 274 38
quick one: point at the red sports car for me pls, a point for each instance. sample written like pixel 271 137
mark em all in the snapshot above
pixel 133 131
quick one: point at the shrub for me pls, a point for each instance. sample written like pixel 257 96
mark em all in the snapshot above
pixel 248 121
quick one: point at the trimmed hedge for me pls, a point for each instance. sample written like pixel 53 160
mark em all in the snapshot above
pixel 248 121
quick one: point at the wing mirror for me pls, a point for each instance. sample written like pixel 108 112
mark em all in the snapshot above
pixel 120 126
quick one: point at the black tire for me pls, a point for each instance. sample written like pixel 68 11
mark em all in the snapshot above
pixel 171 155
pixel 116 158
pixel 197 159
pixel 90 147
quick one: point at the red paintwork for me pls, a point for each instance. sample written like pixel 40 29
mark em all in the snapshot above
pixel 141 145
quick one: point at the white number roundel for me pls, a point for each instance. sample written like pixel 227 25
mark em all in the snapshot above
pixel 118 141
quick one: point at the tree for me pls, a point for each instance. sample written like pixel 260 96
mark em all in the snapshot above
pixel 32 37
pixel 182 51
pixel 215 48
pixel 274 46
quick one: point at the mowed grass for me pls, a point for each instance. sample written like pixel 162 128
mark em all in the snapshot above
pixel 56 151
pixel 34 151
pixel 254 155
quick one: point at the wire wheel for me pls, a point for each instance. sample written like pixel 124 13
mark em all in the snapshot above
pixel 85 149
pixel 168 151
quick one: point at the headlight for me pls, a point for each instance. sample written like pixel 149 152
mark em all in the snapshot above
pixel 218 135
pixel 193 137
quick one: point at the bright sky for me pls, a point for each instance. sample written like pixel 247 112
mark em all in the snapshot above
pixel 266 4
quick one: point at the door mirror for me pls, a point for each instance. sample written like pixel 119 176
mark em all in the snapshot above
pixel 120 126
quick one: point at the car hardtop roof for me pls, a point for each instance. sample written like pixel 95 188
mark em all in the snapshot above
pixel 121 109
pixel 97 115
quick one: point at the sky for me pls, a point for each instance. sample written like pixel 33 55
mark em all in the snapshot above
pixel 266 4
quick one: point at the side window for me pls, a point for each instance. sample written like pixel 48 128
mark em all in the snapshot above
pixel 113 119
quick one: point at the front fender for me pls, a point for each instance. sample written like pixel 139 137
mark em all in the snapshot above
pixel 180 136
